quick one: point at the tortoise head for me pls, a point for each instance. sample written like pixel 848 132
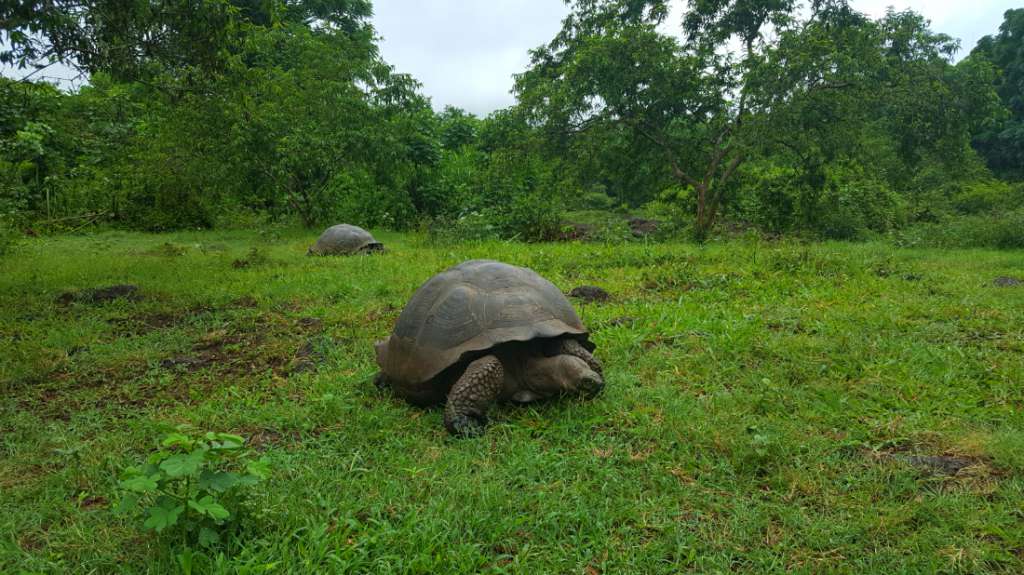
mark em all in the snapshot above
pixel 562 374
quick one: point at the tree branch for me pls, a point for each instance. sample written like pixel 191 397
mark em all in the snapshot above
pixel 670 153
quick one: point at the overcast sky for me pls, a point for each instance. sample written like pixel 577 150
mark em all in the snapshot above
pixel 465 51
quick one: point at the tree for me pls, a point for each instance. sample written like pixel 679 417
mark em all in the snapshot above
pixel 138 40
pixel 691 101
pixel 1001 139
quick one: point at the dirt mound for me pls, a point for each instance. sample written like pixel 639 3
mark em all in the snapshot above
pixel 642 227
pixel 589 293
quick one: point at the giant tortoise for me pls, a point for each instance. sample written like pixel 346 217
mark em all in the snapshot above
pixel 343 240
pixel 485 331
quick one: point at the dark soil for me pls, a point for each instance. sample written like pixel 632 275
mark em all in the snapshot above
pixel 309 357
pixel 641 227
pixel 101 295
pixel 590 293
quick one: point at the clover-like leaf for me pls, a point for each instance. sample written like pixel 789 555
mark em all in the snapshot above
pixel 218 481
pixel 183 464
pixel 227 441
pixel 141 483
pixel 208 537
pixel 248 480
pixel 208 506
pixel 161 518
pixel 128 504
pixel 260 469
pixel 176 439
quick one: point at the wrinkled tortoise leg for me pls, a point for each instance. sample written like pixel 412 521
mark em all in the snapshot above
pixel 465 414
pixel 570 346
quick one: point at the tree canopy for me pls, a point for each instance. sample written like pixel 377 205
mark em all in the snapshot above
pixel 219 112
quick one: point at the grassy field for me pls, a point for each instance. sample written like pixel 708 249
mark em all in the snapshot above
pixel 766 404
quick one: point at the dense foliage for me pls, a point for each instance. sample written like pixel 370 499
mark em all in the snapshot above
pixel 1002 139
pixel 827 123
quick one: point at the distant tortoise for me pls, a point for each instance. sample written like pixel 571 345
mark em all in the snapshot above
pixel 343 240
pixel 484 331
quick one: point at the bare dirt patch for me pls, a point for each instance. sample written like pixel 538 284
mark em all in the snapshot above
pixel 641 227
pixel 234 353
pixel 574 231
pixel 590 294
pixel 100 295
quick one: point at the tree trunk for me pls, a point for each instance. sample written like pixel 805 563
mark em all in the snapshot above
pixel 702 223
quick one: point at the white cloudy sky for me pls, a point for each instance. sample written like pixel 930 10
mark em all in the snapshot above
pixel 465 51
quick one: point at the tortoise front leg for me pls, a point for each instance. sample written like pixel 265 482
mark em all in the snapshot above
pixel 465 414
pixel 570 346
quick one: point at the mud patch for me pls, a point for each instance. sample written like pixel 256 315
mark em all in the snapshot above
pixel 143 324
pixel 237 350
pixel 93 502
pixel 100 295
pixel 570 231
pixel 641 227
pixel 244 352
pixel 255 345
pixel 590 294
pixel 310 356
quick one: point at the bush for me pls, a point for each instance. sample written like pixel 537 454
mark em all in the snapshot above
pixel 854 203
pixel 769 197
pixel 529 217
pixel 671 208
pixel 8 236
pixel 993 230
pixel 987 196
pixel 193 483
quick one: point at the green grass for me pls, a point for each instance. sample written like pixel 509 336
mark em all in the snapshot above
pixel 754 418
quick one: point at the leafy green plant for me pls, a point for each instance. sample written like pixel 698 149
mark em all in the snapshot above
pixel 191 483
pixel 8 236
pixel 994 230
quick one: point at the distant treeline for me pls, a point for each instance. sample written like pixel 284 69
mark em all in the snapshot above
pixel 234 113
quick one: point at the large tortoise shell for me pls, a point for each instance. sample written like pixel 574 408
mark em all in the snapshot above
pixel 343 239
pixel 468 309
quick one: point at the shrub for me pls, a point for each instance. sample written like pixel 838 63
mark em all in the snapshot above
pixel 854 203
pixel 769 197
pixel 671 207
pixel 993 230
pixel 191 483
pixel 987 196
pixel 8 236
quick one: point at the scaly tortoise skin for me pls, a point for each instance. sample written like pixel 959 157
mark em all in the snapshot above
pixel 343 240
pixel 485 331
